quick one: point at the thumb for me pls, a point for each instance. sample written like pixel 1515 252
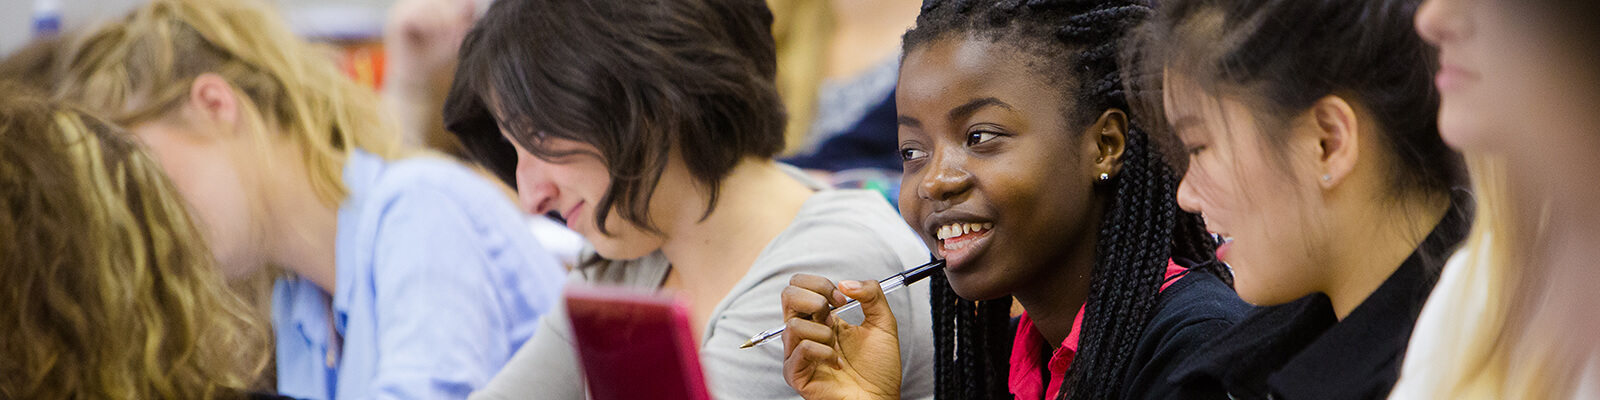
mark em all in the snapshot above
pixel 873 304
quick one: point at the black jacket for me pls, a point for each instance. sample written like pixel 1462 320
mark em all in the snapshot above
pixel 1300 350
pixel 1189 314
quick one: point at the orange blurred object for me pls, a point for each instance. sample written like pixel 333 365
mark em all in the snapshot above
pixel 363 61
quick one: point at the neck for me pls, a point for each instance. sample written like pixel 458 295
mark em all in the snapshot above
pixel 1373 240
pixel 1558 241
pixel 1054 299
pixel 301 229
pixel 757 202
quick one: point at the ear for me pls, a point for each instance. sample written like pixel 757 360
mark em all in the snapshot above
pixel 1338 135
pixel 1110 135
pixel 213 100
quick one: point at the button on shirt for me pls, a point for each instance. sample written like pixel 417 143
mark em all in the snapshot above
pixel 439 281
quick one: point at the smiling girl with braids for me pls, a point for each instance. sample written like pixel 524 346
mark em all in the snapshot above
pixel 1026 173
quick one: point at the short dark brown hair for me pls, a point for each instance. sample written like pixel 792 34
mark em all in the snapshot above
pixel 636 79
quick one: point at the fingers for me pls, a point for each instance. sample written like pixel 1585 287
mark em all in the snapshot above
pixel 798 330
pixel 820 286
pixel 806 357
pixel 805 304
pixel 873 305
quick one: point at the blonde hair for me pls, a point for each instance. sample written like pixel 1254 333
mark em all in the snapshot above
pixel 1477 337
pixel 142 67
pixel 801 30
pixel 108 289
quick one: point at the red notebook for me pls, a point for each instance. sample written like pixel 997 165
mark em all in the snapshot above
pixel 635 345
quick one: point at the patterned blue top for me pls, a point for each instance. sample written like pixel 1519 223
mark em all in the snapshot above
pixel 439 282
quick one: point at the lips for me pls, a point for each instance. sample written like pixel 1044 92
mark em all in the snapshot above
pixel 571 216
pixel 955 236
pixel 1224 242
pixel 1452 78
pixel 960 238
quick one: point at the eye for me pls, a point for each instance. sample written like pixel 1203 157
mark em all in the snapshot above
pixel 912 154
pixel 1195 150
pixel 978 137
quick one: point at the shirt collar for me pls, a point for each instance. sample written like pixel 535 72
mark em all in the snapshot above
pixel 360 174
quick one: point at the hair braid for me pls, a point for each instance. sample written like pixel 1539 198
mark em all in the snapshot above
pixel 1142 226
pixel 944 328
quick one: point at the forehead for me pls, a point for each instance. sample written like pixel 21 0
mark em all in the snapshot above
pixel 950 68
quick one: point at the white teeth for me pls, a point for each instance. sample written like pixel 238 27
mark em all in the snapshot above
pixel 960 229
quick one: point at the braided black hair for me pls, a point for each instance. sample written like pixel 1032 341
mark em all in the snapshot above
pixel 1142 226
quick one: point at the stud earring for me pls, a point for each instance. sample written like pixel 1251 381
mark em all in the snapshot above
pixel 1327 178
pixel 1105 177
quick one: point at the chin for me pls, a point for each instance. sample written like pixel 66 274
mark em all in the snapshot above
pixel 1460 131
pixel 975 287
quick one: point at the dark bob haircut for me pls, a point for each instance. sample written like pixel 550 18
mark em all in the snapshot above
pixel 636 79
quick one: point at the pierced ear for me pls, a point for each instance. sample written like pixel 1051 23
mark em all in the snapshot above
pixel 214 100
pixel 1110 134
pixel 1338 134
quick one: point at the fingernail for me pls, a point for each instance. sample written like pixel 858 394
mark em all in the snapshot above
pixel 850 285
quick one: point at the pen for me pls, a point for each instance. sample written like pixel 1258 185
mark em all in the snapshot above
pixel 889 285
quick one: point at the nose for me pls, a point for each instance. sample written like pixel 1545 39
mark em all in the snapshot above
pixel 1188 200
pixel 1441 21
pixel 536 192
pixel 947 179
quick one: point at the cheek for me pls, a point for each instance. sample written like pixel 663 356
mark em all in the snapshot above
pixel 1262 278
pixel 911 208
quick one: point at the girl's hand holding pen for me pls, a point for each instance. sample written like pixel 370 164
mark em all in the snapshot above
pixel 828 358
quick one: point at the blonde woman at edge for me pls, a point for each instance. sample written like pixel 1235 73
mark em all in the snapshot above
pixel 408 278
pixel 106 288
pixel 1513 316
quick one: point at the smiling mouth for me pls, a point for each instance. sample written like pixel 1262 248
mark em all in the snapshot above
pixel 960 243
pixel 957 236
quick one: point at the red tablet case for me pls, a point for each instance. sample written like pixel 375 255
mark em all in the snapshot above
pixel 635 345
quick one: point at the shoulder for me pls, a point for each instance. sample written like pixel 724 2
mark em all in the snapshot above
pixel 428 199
pixel 1193 311
pixel 1189 314
pixel 841 226
pixel 1198 298
pixel 435 177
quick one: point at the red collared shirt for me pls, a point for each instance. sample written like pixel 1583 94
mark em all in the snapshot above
pixel 1026 378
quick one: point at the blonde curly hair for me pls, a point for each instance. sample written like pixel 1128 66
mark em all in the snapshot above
pixel 109 291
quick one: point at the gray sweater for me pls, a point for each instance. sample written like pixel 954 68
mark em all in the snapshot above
pixel 838 234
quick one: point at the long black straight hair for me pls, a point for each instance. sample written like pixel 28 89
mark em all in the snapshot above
pixel 1142 226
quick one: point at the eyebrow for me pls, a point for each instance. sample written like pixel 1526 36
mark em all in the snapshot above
pixel 966 110
pixel 961 111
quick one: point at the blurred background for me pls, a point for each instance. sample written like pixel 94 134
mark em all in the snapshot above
pixel 311 17
pixel 356 26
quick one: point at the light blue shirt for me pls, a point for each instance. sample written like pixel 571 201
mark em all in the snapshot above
pixel 439 282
